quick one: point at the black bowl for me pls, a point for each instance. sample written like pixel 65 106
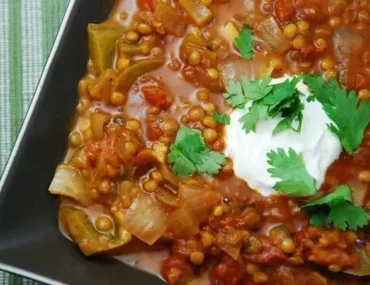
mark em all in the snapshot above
pixel 30 242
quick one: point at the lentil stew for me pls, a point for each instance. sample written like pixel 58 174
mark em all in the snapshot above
pixel 158 70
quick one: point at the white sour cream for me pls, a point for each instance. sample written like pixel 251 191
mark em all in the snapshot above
pixel 315 142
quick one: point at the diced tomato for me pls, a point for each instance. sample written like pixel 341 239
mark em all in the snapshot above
pixel 311 52
pixel 146 5
pixel 229 271
pixel 284 10
pixel 154 132
pixel 174 268
pixel 270 254
pixel 155 96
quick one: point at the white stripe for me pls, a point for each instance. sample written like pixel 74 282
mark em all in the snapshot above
pixel 32 61
pixel 5 141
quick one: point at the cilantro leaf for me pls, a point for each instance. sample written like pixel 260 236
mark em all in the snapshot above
pixel 281 91
pixel 337 209
pixel 349 121
pixel 189 154
pixel 182 166
pixel 234 96
pixel 222 119
pixel 318 219
pixel 244 42
pixel 292 114
pixel 256 89
pixel 211 162
pixel 349 116
pixel 256 113
pixel 291 169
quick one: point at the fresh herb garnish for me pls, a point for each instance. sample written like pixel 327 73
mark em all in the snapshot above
pixel 290 168
pixel 222 119
pixel 189 154
pixel 244 43
pixel 337 209
pixel 349 116
pixel 256 89
pixel 268 101
pixel 256 113
pixel 235 96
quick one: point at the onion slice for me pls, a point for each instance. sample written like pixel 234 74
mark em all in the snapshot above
pixel 145 219
pixel 68 182
pixel 200 199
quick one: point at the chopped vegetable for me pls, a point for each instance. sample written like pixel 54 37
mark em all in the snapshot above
pixel 290 168
pixel 244 42
pixel 97 124
pixel 231 33
pixel 171 20
pixel 182 222
pixel 221 118
pixel 128 77
pixel 89 240
pixel 189 154
pixel 271 35
pixel 337 208
pixel 102 44
pixel 68 182
pixel 199 198
pixel 197 11
pixel 230 241
pixel 234 68
pixel 145 219
pixel 349 116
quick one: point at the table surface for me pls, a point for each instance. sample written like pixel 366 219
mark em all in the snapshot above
pixel 27 31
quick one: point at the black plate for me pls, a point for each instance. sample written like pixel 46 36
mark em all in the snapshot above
pixel 30 241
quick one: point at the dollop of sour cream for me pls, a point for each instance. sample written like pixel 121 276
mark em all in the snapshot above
pixel 315 142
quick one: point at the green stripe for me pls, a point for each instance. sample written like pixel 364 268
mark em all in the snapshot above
pixel 52 13
pixel 15 67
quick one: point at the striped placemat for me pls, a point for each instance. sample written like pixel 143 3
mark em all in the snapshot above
pixel 27 31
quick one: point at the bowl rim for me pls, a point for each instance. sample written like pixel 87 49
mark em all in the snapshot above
pixel 52 55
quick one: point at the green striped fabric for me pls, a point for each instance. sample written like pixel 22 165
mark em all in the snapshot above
pixel 27 31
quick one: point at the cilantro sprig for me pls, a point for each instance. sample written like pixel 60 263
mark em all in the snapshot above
pixel 267 101
pixel 244 43
pixel 337 209
pixel 222 119
pixel 290 168
pixel 349 116
pixel 189 154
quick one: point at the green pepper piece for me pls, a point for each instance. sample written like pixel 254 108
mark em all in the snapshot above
pixel 83 232
pixel 128 76
pixel 102 44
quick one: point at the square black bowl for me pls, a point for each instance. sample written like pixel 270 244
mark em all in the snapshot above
pixel 30 242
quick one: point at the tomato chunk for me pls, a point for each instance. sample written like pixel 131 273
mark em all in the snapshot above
pixel 155 96
pixel 229 271
pixel 284 10
pixel 174 268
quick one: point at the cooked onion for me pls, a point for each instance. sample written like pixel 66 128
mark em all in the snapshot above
pixel 183 223
pixel 269 32
pixel 200 199
pixel 145 219
pixel 68 182
pixel 235 68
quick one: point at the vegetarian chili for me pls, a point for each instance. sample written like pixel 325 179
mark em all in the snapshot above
pixel 147 168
